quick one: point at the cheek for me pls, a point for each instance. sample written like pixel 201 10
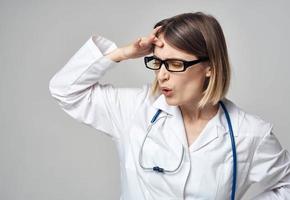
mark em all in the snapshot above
pixel 192 87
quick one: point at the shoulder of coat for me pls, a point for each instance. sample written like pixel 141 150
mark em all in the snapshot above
pixel 253 125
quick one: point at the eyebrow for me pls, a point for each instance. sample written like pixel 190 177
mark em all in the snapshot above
pixel 168 58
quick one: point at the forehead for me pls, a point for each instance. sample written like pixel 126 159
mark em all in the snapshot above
pixel 169 52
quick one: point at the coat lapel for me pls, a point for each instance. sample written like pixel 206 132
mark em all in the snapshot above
pixel 215 128
pixel 174 123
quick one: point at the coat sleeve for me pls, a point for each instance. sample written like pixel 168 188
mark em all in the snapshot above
pixel 271 168
pixel 77 90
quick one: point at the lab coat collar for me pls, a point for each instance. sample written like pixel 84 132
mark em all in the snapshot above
pixel 218 124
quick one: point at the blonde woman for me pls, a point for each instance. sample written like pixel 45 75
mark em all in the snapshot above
pixel 178 137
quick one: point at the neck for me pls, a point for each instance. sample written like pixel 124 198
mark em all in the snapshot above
pixel 191 113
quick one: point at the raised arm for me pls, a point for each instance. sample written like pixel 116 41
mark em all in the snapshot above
pixel 77 90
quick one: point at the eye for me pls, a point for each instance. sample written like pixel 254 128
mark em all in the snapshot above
pixel 176 64
pixel 156 62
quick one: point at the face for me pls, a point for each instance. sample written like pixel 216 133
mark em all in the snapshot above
pixel 187 86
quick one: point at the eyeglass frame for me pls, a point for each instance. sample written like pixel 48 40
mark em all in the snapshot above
pixel 186 63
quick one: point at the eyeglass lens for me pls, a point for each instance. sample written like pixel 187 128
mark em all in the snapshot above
pixel 173 65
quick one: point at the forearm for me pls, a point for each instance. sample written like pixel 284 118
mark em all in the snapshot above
pixel 83 69
pixel 116 55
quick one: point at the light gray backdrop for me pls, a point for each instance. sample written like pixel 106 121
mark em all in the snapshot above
pixel 45 154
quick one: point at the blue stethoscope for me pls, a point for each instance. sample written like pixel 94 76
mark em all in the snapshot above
pixel 162 170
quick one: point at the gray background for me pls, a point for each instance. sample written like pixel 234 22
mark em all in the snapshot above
pixel 45 154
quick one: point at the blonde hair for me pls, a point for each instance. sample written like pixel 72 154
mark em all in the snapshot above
pixel 201 35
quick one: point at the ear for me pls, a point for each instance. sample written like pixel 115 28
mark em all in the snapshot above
pixel 208 71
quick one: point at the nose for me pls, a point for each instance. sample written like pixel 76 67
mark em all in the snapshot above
pixel 162 73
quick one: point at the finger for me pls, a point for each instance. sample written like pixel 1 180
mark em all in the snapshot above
pixel 155 30
pixel 145 41
pixel 153 34
pixel 158 42
pixel 152 40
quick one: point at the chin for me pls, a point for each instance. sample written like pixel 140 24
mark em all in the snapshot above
pixel 171 101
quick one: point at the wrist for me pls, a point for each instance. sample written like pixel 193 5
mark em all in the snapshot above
pixel 116 55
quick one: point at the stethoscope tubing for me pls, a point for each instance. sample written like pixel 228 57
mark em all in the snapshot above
pixel 234 153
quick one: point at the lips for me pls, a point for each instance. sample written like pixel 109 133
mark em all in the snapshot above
pixel 165 89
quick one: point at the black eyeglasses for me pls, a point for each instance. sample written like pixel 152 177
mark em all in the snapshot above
pixel 172 65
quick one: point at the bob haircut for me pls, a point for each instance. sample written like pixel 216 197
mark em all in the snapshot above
pixel 201 35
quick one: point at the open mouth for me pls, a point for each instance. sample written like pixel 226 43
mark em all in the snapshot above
pixel 167 92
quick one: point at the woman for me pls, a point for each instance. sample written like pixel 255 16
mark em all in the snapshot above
pixel 173 137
